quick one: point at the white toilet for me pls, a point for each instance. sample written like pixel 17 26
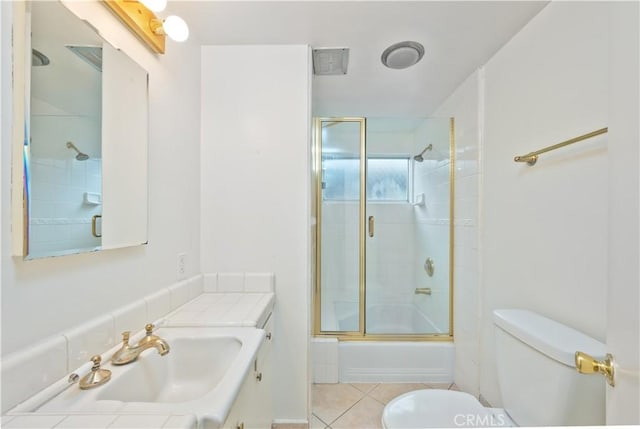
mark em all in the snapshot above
pixel 538 382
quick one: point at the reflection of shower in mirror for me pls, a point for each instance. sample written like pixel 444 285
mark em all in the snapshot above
pixel 38 59
pixel 80 156
pixel 73 120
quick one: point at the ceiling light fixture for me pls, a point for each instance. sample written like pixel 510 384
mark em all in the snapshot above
pixel 155 5
pixel 139 16
pixel 173 26
pixel 402 55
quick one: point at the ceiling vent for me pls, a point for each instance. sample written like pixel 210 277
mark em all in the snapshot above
pixel 92 55
pixel 330 61
pixel 402 55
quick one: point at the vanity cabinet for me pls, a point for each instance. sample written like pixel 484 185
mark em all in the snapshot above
pixel 253 408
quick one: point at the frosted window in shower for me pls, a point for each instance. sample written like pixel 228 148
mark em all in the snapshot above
pixel 341 179
pixel 387 179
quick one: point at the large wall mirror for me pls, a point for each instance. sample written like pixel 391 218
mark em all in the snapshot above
pixel 85 135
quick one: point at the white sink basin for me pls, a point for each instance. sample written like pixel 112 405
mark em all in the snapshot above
pixel 193 367
pixel 202 374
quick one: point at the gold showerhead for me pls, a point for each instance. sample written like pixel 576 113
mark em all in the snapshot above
pixel 419 157
pixel 80 156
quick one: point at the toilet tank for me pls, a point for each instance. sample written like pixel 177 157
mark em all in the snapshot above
pixel 536 372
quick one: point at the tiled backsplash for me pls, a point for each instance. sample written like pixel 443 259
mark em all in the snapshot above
pixel 30 370
pixel 239 282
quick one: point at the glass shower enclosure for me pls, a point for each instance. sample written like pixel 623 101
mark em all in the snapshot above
pixel 384 233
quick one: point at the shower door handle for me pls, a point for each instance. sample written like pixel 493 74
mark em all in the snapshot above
pixel 94 226
pixel 371 225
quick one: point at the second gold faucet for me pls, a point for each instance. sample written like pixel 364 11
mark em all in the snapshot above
pixel 128 354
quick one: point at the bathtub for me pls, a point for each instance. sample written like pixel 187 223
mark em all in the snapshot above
pixel 386 319
pixel 395 361
pixel 383 361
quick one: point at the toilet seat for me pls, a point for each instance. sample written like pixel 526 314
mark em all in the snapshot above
pixel 435 408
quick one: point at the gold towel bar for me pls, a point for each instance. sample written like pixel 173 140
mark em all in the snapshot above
pixel 532 157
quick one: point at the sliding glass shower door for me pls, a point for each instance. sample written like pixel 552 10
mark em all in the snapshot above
pixel 384 234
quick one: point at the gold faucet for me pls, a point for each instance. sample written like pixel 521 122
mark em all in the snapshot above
pixel 128 354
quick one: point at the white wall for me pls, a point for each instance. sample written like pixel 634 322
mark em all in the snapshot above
pixel 462 104
pixel 255 191
pixel 3 74
pixel 545 227
pixel 57 290
pixel 623 294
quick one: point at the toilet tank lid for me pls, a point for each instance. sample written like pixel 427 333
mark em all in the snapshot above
pixel 552 338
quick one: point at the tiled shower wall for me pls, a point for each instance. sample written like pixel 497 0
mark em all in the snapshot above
pixel 60 218
pixel 432 180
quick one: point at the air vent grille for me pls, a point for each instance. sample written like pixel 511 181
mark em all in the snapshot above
pixel 330 61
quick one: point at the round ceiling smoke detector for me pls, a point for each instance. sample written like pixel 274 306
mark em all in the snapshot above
pixel 402 55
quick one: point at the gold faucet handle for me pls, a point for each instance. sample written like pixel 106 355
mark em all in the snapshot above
pixel 97 359
pixel 125 337
pixel 149 327
pixel 97 376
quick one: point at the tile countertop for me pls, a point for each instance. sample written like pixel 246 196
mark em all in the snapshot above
pixel 215 309
pixel 99 421
pixel 249 310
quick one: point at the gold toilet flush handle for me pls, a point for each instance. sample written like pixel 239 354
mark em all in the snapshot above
pixel 586 364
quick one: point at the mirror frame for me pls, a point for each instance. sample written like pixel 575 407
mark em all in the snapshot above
pixel 19 207
pixel 21 59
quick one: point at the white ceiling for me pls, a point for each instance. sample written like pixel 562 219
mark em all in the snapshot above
pixel 458 37
pixel 68 85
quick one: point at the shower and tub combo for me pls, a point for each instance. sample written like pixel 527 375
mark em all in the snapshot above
pixel 383 286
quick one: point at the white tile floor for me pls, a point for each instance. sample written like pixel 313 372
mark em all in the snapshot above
pixel 357 405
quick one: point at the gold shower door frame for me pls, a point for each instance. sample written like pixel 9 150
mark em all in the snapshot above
pixel 361 334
